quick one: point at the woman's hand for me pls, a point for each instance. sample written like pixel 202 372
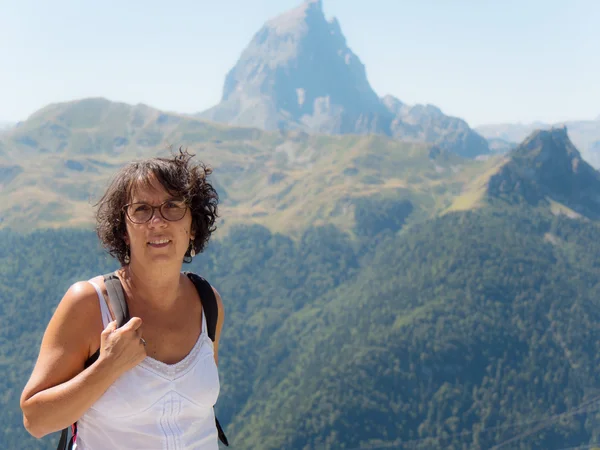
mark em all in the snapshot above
pixel 123 347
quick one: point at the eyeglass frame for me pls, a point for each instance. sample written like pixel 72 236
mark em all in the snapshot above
pixel 125 207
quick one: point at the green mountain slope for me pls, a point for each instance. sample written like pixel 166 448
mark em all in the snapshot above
pixel 35 271
pixel 458 332
pixel 490 324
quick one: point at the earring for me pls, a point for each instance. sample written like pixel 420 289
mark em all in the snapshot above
pixel 126 257
pixel 193 251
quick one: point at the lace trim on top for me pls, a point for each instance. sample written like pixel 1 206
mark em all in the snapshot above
pixel 172 371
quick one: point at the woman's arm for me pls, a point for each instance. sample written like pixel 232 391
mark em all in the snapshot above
pixel 59 390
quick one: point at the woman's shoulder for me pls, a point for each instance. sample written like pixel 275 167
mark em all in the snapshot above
pixel 80 301
pixel 75 323
pixel 80 292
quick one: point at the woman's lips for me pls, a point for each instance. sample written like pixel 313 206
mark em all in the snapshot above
pixel 159 245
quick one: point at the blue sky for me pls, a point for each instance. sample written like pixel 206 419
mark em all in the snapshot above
pixel 485 61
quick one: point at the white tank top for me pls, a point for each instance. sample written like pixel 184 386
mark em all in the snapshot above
pixel 156 405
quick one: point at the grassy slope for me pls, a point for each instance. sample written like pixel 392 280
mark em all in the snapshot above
pixel 287 182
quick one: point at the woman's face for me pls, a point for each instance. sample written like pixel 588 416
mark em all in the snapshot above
pixel 158 240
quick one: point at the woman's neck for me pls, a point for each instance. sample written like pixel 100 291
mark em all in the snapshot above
pixel 155 287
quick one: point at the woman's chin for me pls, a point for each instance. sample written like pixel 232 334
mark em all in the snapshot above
pixel 162 259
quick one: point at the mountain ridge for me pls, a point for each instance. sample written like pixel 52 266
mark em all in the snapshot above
pixel 52 165
pixel 545 171
pixel 285 180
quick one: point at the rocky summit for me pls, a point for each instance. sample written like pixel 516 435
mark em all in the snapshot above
pixel 548 167
pixel 299 73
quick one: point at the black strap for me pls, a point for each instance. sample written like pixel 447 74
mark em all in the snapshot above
pixel 62 443
pixel 221 433
pixel 65 443
pixel 209 302
pixel 211 310
pixel 118 304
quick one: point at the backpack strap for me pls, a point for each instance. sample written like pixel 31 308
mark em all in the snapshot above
pixel 118 305
pixel 211 311
pixel 65 443
pixel 62 443
pixel 209 302
pixel 116 298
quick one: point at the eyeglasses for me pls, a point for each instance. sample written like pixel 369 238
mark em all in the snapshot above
pixel 171 210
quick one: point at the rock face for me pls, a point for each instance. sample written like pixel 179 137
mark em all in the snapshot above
pixel 548 166
pixel 298 73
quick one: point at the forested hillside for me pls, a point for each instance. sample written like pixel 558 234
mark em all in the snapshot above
pixel 459 333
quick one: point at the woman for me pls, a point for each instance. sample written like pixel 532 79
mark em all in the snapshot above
pixel 155 381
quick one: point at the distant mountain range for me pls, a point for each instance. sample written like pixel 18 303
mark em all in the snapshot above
pixel 57 162
pixel 284 173
pixel 297 73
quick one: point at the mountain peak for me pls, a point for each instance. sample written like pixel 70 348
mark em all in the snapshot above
pixel 555 139
pixel 547 166
pixel 309 12
pixel 298 72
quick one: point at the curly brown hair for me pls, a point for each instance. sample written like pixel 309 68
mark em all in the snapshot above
pixel 180 177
